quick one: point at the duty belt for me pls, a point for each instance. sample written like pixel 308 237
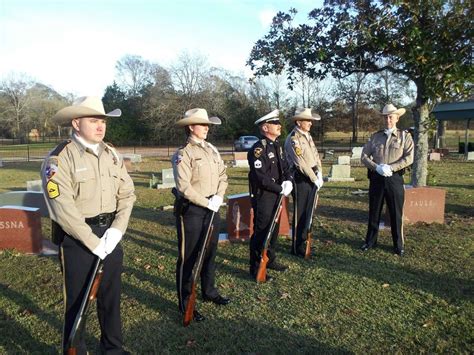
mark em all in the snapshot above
pixel 101 220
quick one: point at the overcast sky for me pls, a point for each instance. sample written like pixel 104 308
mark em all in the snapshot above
pixel 73 46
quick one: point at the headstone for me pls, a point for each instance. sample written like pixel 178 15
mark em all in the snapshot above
pixel 344 160
pixel 134 158
pixel 26 199
pixel 131 161
pixel 442 151
pixel 240 218
pixel 434 157
pixel 422 204
pixel 20 229
pixel 240 160
pixel 167 179
pixel 356 155
pixel 470 155
pixel 34 185
pixel 340 173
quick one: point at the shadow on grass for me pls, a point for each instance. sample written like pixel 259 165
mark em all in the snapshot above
pixel 461 210
pixel 15 337
pixel 443 285
pixel 135 236
pixel 164 218
pixel 221 335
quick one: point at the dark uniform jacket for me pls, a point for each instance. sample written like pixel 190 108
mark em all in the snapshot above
pixel 268 166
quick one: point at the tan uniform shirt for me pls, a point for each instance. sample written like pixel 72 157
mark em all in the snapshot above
pixel 301 152
pixel 199 172
pixel 79 185
pixel 396 150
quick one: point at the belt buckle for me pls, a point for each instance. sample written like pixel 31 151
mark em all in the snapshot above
pixel 102 220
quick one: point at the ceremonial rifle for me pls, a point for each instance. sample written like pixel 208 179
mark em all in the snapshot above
pixel 90 295
pixel 312 202
pixel 189 312
pixel 262 267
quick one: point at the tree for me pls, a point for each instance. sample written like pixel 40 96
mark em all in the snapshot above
pixel 134 74
pixel 428 42
pixel 189 75
pixel 354 92
pixel 15 89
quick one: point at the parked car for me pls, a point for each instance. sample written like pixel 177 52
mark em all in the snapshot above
pixel 245 143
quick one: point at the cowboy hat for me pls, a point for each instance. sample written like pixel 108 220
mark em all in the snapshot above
pixel 197 116
pixel 86 106
pixel 272 116
pixel 305 114
pixel 392 110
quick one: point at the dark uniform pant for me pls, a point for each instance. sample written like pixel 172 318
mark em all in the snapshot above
pixel 264 209
pixel 301 196
pixel 391 189
pixel 192 227
pixel 77 264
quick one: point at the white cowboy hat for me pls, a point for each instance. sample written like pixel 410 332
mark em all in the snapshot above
pixel 272 116
pixel 392 110
pixel 197 116
pixel 305 114
pixel 86 106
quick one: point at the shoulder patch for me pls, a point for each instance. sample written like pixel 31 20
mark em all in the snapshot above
pixel 60 147
pixel 51 167
pixel 257 152
pixel 53 189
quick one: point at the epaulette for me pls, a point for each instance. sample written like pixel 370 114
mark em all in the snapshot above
pixel 60 147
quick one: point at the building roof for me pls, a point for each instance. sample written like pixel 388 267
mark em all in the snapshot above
pixel 454 111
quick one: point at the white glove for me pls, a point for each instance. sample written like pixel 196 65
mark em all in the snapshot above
pixel 379 169
pixel 112 238
pixel 214 203
pixel 286 187
pixel 319 180
pixel 387 170
pixel 100 249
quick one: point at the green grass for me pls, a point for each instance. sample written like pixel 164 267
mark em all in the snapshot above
pixel 341 301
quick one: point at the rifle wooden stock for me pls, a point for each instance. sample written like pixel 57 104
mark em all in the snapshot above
pixel 307 253
pixel 189 311
pixel 309 222
pixel 262 267
pixel 90 295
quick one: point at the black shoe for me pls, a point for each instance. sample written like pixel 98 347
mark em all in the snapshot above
pixel 219 300
pixel 399 252
pixel 366 246
pixel 277 266
pixel 198 317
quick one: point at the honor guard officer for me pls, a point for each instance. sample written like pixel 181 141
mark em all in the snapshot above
pixel 201 181
pixel 90 197
pixel 387 153
pixel 304 161
pixel 269 176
